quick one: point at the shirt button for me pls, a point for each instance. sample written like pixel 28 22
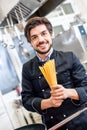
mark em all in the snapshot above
pixel 39 77
pixel 43 90
pixel 51 117
pixel 64 115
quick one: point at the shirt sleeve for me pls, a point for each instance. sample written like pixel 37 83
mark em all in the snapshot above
pixel 80 79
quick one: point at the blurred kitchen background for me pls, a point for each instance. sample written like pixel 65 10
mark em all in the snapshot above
pixel 69 20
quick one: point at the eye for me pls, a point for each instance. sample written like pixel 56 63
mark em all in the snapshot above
pixel 44 33
pixel 33 38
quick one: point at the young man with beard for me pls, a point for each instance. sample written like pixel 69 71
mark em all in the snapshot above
pixel 70 94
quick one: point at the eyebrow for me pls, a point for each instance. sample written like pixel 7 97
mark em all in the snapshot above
pixel 40 33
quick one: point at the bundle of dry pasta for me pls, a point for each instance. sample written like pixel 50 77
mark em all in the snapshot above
pixel 49 72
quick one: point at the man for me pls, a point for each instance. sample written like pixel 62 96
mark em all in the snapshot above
pixel 70 94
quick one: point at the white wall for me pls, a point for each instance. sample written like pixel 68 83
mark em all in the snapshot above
pixel 82 7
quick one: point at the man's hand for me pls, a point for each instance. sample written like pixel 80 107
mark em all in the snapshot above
pixel 60 93
pixel 55 102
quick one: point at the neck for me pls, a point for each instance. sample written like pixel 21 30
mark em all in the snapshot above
pixel 43 56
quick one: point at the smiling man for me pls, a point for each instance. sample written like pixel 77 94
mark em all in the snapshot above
pixel 70 94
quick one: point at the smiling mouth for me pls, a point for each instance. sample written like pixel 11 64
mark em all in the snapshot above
pixel 42 46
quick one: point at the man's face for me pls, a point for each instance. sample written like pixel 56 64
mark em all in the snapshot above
pixel 41 39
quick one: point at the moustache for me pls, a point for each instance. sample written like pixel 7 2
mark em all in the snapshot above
pixel 40 43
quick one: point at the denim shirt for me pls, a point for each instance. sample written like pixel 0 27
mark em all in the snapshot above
pixel 70 73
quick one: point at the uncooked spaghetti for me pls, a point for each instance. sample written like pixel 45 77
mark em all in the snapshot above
pixel 49 72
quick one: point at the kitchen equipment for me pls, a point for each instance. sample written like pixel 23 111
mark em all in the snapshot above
pixel 24 51
pixel 37 126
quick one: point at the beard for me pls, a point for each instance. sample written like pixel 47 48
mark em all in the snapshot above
pixel 45 52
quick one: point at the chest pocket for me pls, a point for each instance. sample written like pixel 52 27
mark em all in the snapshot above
pixel 64 76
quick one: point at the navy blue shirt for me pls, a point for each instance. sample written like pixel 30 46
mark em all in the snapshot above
pixel 71 74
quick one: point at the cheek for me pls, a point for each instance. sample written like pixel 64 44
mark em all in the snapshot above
pixel 33 44
pixel 50 40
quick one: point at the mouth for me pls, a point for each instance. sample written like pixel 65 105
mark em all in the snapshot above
pixel 42 45
pixel 43 48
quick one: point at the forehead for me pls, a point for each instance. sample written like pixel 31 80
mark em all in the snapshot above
pixel 38 29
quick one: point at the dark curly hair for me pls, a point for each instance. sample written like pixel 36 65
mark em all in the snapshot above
pixel 33 22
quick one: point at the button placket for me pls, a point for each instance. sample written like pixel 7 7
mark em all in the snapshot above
pixel 64 115
pixel 39 77
pixel 51 117
pixel 43 90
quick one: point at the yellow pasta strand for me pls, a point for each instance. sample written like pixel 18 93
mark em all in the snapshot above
pixel 49 72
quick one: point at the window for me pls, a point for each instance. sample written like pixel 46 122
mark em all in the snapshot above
pixel 58 29
pixel 67 8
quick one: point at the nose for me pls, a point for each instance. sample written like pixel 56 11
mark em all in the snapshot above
pixel 40 38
